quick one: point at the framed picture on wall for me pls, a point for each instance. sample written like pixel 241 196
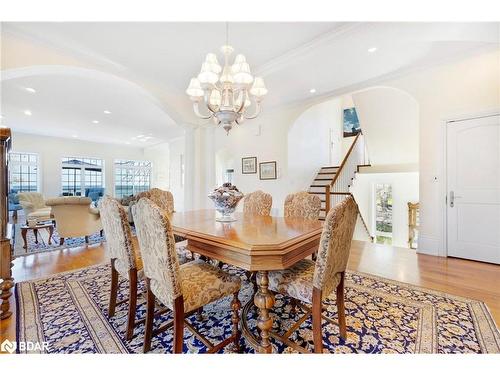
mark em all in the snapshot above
pixel 351 123
pixel 267 170
pixel 249 165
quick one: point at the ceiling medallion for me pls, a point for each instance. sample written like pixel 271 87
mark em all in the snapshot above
pixel 226 92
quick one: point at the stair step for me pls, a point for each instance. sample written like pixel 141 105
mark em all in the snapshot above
pixel 327 173
pixel 322 186
pixel 322 179
pixel 331 167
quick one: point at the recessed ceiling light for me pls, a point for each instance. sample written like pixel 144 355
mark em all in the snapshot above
pixel 140 136
pixel 127 143
pixel 143 140
pixel 372 49
pixel 30 89
pixel 27 112
pixel 312 91
pixel 74 136
pixel 95 122
pixel 107 112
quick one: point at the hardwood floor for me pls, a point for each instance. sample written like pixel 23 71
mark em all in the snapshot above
pixel 470 279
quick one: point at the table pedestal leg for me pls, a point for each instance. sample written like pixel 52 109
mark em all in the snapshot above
pixel 36 235
pixel 264 300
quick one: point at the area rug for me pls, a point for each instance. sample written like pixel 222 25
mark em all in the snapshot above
pixel 68 312
pixel 43 242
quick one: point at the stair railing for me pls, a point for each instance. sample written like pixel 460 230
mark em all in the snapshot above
pixel 338 189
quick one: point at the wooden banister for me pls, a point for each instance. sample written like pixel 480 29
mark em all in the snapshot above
pixel 345 159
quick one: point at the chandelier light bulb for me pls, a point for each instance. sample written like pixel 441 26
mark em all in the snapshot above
pixel 215 98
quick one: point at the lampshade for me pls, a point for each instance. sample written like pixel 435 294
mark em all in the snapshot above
pixel 239 59
pixel 241 73
pixel 215 98
pixel 207 75
pixel 211 59
pixel 258 88
pixel 194 90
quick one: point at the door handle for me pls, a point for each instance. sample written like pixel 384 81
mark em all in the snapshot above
pixel 452 198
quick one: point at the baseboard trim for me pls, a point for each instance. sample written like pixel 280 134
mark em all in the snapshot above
pixel 429 246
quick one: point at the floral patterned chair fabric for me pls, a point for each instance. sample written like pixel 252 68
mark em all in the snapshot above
pixel 335 243
pixel 119 244
pixel 303 204
pixel 162 198
pixel 197 282
pixel 258 203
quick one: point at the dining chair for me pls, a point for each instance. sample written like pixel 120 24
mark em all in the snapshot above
pixel 303 204
pixel 258 203
pixel 181 288
pixel 125 257
pixel 311 282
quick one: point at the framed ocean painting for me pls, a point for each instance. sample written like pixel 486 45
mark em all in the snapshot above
pixel 351 122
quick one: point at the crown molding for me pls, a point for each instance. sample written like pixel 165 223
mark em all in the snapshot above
pixel 318 42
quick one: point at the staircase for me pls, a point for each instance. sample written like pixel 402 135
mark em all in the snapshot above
pixel 332 184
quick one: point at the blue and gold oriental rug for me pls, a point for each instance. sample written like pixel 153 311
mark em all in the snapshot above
pixel 69 312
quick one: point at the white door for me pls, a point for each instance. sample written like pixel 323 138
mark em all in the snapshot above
pixel 473 177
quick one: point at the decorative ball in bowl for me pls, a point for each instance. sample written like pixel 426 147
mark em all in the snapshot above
pixel 226 198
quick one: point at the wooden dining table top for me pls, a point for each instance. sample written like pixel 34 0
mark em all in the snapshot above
pixel 252 242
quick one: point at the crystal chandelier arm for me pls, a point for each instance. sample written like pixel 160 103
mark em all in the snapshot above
pixel 257 111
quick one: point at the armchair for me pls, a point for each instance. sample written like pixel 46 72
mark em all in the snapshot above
pixel 94 193
pixel 14 205
pixel 74 217
pixel 34 206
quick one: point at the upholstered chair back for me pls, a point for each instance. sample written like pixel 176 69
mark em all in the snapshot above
pixel 303 204
pixel 31 201
pixel 335 245
pixel 157 244
pixel 162 198
pixel 74 216
pixel 119 243
pixel 258 203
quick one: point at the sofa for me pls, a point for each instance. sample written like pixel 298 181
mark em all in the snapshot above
pixel 34 206
pixel 75 217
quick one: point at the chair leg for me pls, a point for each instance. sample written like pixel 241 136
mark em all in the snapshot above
pixel 61 241
pixel 150 310
pixel 316 321
pixel 178 324
pixel 114 289
pixel 87 239
pixel 132 303
pixel 341 307
pixel 235 318
pixel 199 314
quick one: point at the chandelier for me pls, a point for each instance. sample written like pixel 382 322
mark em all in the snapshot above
pixel 227 93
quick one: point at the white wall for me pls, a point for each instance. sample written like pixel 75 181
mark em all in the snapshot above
pixel 314 141
pixel 464 88
pixel 160 156
pixel 176 149
pixel 52 149
pixel 389 119
pixel 404 190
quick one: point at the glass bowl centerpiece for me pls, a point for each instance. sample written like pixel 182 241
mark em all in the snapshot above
pixel 226 198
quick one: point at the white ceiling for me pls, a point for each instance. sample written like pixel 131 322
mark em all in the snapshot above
pixel 139 71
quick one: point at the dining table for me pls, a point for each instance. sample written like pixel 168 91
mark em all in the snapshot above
pixel 253 243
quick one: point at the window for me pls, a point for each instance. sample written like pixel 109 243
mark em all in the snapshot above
pixel 182 169
pixel 23 171
pixel 131 177
pixel 80 173
pixel 383 213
